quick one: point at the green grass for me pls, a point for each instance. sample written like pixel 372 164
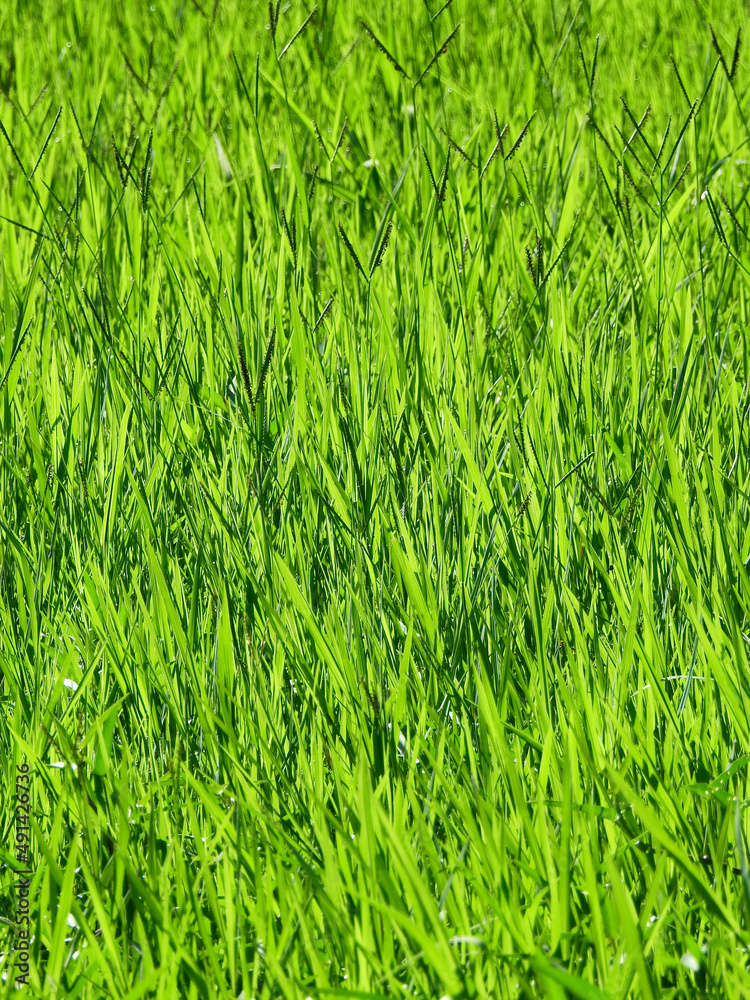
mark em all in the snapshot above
pixel 376 630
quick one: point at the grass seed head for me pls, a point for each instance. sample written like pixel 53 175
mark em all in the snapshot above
pixel 12 149
pixel 120 164
pixel 379 45
pixel 529 262
pixel 324 313
pixel 730 212
pixel 266 365
pixel 539 259
pixel 719 53
pixel 310 17
pixel 525 505
pixel 352 252
pixel 495 150
pixel 601 135
pixel 313 181
pixel 14 356
pixel 499 133
pixel 319 137
pixel 429 170
pixel 445 7
pixel 146 173
pixel 82 474
pixel 291 235
pixel 46 143
pixel 679 80
pixel 460 150
pixel 736 56
pixel 243 367
pixel 440 52
pixel 383 246
pixel 344 130
pixel 444 178
pixel 521 136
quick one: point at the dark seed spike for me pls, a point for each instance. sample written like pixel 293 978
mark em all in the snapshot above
pixel 679 80
pixel 149 147
pixel 523 437
pixel 593 66
pixel 719 53
pixel 344 130
pixel 522 135
pixel 736 56
pixel 557 259
pixel 134 373
pixel 539 260
pixel 319 137
pixel 352 252
pixel 464 251
pixel 14 355
pixel 266 365
pixel 627 110
pixel 638 126
pixel 529 263
pixel 497 125
pixel 379 45
pixel 459 150
pixel 146 173
pixel 444 179
pixel 445 6
pixel 290 240
pixel 663 143
pixel 708 87
pixel 13 149
pixel 631 182
pixel 683 175
pixel 35 103
pixel 731 214
pixel 120 165
pixel 166 369
pixel 525 505
pixel 383 246
pixel 491 157
pixel 429 170
pixel 324 313
pixel 82 474
pixel 311 189
pixel 299 31
pixel 46 142
pixel 272 20
pixel 243 366
pixel 441 51
pixel 715 219
pixel 685 124
pixel 601 136
pixel 596 494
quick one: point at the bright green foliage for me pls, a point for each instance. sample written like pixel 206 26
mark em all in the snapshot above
pixel 375 497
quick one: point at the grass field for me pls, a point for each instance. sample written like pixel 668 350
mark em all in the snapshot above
pixel 375 499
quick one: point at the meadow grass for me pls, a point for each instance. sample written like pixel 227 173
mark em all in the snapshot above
pixel 374 498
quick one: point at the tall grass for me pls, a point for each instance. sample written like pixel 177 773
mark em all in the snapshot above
pixel 374 498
